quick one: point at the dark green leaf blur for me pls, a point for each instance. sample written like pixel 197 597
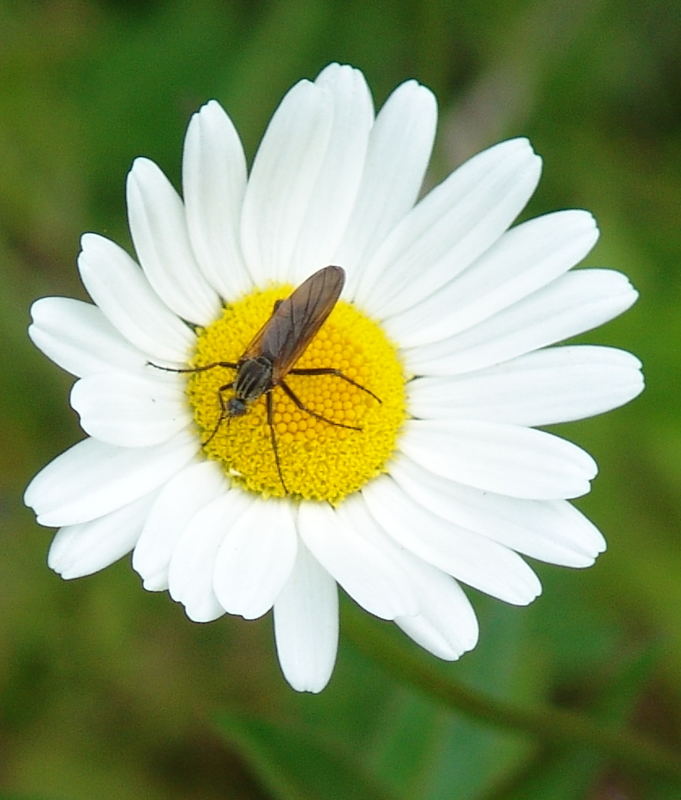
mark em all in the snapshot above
pixel 107 691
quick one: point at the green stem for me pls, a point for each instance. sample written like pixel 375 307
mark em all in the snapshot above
pixel 554 725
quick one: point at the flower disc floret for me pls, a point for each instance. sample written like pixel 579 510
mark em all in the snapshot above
pixel 319 460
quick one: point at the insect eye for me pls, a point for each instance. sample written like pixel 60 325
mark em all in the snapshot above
pixel 236 407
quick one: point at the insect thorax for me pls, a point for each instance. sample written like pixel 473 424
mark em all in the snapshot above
pixel 253 379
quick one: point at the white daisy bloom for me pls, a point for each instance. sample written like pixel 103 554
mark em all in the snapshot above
pixel 422 471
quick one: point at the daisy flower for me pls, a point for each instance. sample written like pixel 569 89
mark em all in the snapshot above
pixel 423 468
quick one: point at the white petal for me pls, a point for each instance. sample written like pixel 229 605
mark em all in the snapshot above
pixel 306 624
pixel 508 459
pixel 333 195
pixel 441 619
pixel 555 385
pixel 400 144
pixel 571 304
pixel 464 554
pixel 92 479
pixel 118 286
pixel 446 625
pixel 177 502
pixel 77 337
pixel 159 233
pixel 453 225
pixel 352 554
pixel 130 410
pixel 523 260
pixel 190 575
pixel 283 176
pixel 550 530
pixel 82 549
pixel 214 182
pixel 255 558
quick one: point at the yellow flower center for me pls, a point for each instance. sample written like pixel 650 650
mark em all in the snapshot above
pixel 319 460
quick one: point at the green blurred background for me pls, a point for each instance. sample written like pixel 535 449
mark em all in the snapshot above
pixel 108 691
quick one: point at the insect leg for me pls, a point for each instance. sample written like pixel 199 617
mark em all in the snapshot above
pixel 312 413
pixel 229 364
pixel 270 422
pixel 223 411
pixel 337 373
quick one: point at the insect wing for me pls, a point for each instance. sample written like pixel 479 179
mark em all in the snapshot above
pixel 294 323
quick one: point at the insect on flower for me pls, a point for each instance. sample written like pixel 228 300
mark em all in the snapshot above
pixel 450 481
pixel 271 354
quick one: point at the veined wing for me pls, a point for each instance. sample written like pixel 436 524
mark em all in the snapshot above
pixel 296 320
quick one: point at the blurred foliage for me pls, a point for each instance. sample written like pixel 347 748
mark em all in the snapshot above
pixel 107 691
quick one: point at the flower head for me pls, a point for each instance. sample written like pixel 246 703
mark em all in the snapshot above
pixel 394 450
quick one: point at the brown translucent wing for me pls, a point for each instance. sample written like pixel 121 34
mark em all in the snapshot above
pixel 296 320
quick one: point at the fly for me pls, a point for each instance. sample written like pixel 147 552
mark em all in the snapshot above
pixel 272 353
